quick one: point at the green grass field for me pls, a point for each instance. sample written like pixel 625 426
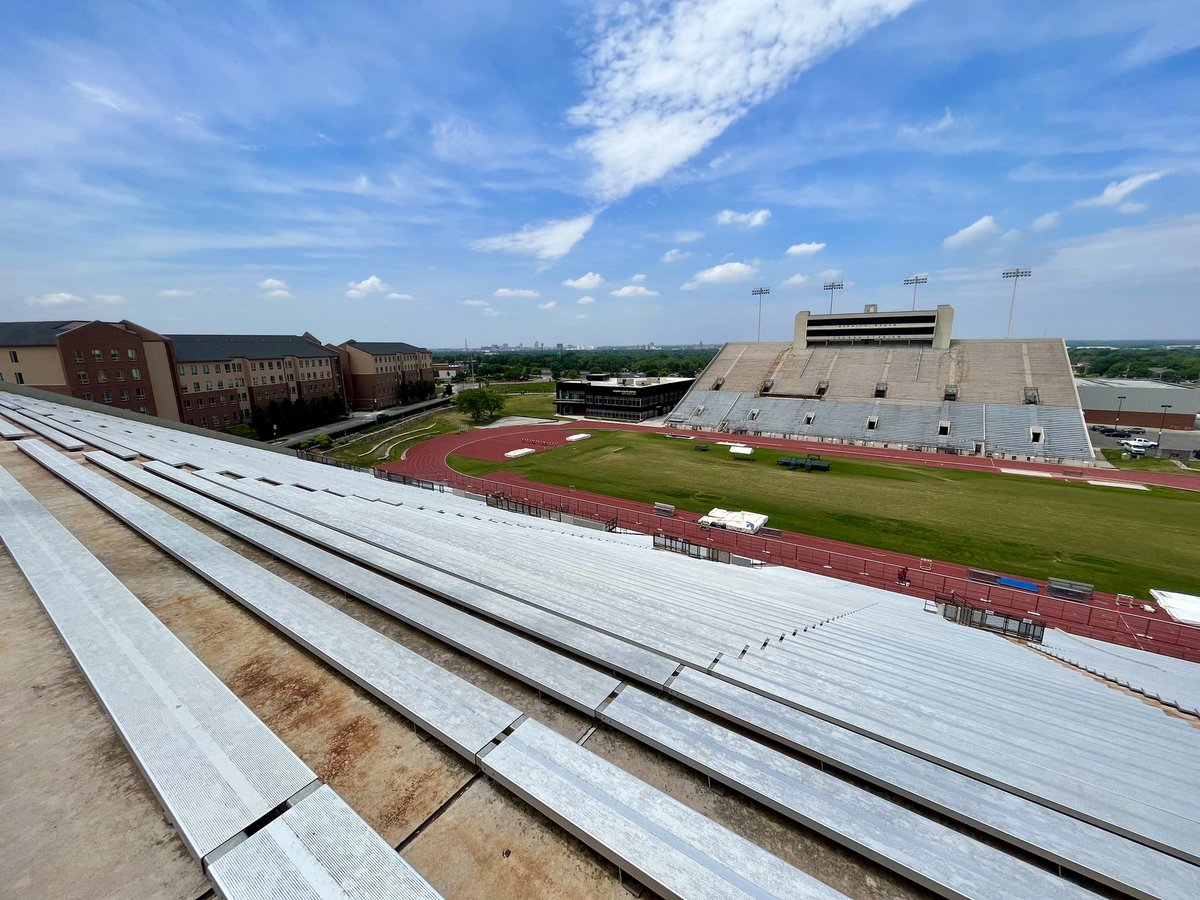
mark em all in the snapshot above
pixel 1149 464
pixel 1120 540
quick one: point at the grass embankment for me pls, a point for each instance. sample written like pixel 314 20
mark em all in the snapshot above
pixel 1120 540
pixel 1148 464
pixel 523 387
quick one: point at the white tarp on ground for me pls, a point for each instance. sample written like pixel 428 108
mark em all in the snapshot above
pixel 743 521
pixel 524 451
pixel 1182 607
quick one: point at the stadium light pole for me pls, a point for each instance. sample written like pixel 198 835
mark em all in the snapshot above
pixel 832 286
pixel 1120 403
pixel 1016 275
pixel 914 280
pixel 1161 423
pixel 760 293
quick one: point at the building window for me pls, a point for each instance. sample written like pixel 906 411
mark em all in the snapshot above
pixel 183 370
pixel 124 396
pixel 107 397
pixel 195 387
pixel 97 356
pixel 200 403
pixel 115 354
pixel 143 410
pixel 135 374
pixel 20 378
pixel 82 376
pixel 132 354
pixel 12 356
pixel 206 371
pixel 78 356
pixel 187 405
pixel 182 388
pixel 140 393
pixel 120 374
pixel 102 376
pixel 87 395
pixel 195 371
pixel 208 385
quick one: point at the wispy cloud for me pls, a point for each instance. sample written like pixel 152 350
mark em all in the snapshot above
pixel 912 131
pixel 550 240
pixel 588 282
pixel 1046 221
pixel 634 290
pixel 978 230
pixel 373 284
pixel 477 303
pixel 515 292
pixel 725 273
pixel 59 299
pixel 637 279
pixel 688 237
pixel 674 255
pixel 104 97
pixel 549 304
pixel 754 219
pixel 586 301
pixel 795 281
pixel 109 298
pixel 665 82
pixel 1117 191
pixel 396 295
pixel 809 249
pixel 1130 208
pixel 175 292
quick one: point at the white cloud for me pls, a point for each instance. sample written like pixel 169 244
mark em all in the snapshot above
pixel 59 299
pixel 586 301
pixel 688 237
pixel 515 292
pixel 476 303
pixel 664 83
pixel 1117 191
pixel 1011 235
pixel 1046 221
pixel 588 282
pixel 638 278
pixel 550 240
pixel 395 295
pixel 634 290
pixel 911 131
pixel 104 97
pixel 491 311
pixel 362 185
pixel 1128 208
pixel 810 249
pixel 755 219
pixel 978 230
pixel 581 316
pixel 674 255
pixel 175 292
pixel 109 298
pixel 795 281
pixel 272 284
pixel 278 295
pixel 549 304
pixel 726 273
pixel 371 285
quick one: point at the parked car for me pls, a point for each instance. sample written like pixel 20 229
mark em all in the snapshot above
pixel 1120 434
pixel 1139 443
pixel 1137 430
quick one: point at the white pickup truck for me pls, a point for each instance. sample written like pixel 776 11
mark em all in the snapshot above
pixel 1138 444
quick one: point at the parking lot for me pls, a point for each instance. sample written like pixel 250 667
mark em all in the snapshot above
pixel 1185 442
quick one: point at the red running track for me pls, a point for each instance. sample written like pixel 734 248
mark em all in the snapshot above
pixel 1108 617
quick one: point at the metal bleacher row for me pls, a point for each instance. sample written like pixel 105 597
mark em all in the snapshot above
pixel 1004 428
pixel 853 678
pixel 773 388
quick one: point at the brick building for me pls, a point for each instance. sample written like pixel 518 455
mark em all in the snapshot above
pixel 376 373
pixel 116 363
pixel 222 377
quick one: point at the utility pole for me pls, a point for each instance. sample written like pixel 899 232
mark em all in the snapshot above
pixel 914 280
pixel 1016 275
pixel 760 293
pixel 832 286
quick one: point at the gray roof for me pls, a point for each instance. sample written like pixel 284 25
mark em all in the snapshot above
pixel 202 347
pixel 33 334
pixel 384 348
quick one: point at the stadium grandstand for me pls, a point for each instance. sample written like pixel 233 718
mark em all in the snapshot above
pixel 895 379
pixel 335 685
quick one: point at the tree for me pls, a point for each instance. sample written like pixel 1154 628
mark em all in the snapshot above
pixel 480 403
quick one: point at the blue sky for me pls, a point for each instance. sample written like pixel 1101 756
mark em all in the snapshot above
pixel 599 173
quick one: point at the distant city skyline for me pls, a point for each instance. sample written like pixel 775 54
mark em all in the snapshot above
pixel 600 174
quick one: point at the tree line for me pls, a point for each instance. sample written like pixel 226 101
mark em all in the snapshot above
pixel 512 365
pixel 1179 365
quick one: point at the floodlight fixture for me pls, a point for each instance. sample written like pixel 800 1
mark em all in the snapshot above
pixel 832 286
pixel 914 280
pixel 760 293
pixel 1016 275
